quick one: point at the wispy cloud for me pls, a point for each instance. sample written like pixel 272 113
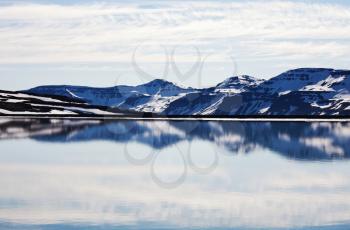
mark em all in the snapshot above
pixel 95 32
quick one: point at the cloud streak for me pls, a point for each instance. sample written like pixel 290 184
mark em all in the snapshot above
pixel 97 32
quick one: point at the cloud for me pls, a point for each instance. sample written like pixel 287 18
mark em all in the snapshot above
pixel 96 32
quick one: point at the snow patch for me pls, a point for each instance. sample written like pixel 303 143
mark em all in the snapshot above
pixel 72 94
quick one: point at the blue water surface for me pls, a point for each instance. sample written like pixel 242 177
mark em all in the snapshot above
pixel 105 174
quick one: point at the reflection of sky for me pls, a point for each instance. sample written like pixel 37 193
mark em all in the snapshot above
pixel 93 183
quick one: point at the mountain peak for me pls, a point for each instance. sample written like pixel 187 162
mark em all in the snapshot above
pixel 300 72
pixel 158 82
pixel 298 79
pixel 310 69
pixel 161 87
pixel 240 81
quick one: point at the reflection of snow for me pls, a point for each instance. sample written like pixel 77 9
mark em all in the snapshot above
pixel 284 136
pixel 308 141
pixel 323 144
pixel 94 183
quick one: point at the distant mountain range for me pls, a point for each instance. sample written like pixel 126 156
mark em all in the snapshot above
pixel 299 92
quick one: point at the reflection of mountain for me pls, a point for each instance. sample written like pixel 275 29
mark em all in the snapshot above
pixel 295 140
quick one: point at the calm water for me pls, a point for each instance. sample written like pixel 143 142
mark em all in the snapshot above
pixel 74 174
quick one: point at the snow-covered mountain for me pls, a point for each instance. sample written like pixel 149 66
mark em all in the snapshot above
pixel 238 84
pixel 223 99
pixel 17 103
pixel 306 91
pixel 153 96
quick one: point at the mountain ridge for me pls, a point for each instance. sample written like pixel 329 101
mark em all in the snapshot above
pixel 297 92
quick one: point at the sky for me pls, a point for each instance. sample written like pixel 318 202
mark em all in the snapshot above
pixel 192 43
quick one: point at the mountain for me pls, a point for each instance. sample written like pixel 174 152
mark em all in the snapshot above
pixel 294 80
pixel 16 103
pixel 238 84
pixel 223 99
pixel 153 96
pixel 310 91
pixel 298 92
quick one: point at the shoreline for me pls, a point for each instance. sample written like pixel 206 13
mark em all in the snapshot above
pixel 148 117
